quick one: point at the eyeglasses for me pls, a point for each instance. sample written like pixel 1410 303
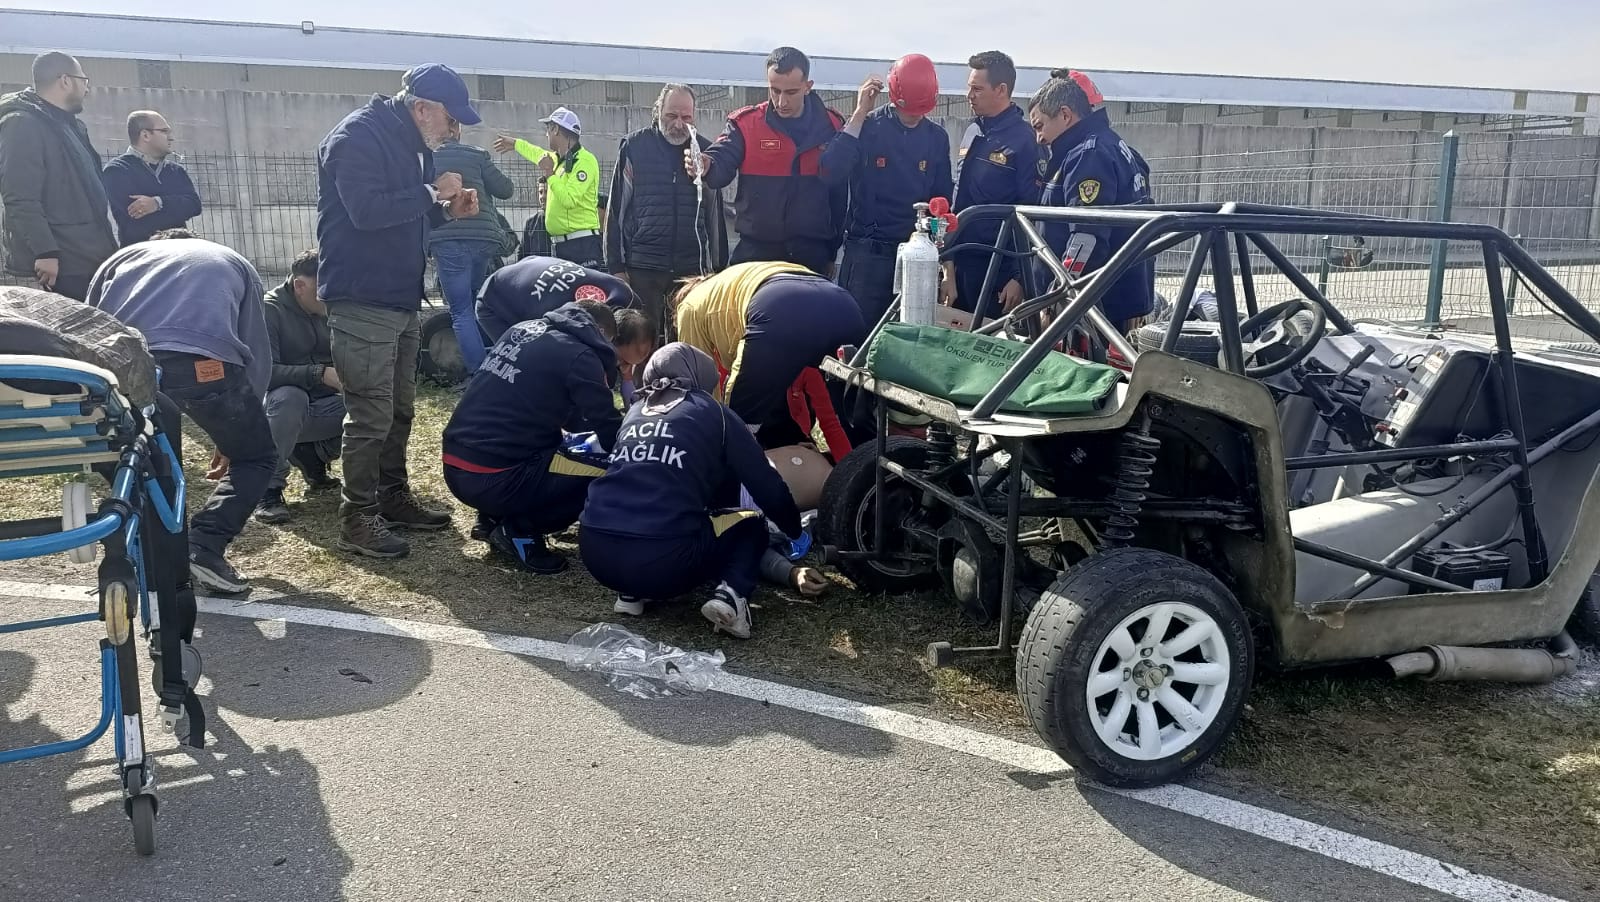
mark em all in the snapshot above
pixel 164 131
pixel 82 78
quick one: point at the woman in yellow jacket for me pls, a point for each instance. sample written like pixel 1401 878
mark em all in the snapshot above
pixel 764 324
pixel 572 174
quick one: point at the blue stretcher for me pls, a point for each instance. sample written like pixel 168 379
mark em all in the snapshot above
pixel 64 416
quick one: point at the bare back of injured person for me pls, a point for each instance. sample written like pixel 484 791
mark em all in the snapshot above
pixel 504 451
pixel 665 517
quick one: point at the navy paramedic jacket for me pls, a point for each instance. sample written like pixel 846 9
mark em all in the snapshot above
pixel 1091 166
pixel 781 192
pixel 889 169
pixel 542 376
pixel 669 471
pixel 534 286
pixel 1000 163
pixel 374 208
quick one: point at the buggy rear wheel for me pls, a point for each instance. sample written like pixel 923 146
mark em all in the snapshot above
pixel 1134 666
pixel 440 356
pixel 849 504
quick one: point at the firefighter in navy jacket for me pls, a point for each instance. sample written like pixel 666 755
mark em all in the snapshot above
pixel 892 158
pixel 1091 166
pixel 664 518
pixel 999 163
pixel 783 209
pixel 504 447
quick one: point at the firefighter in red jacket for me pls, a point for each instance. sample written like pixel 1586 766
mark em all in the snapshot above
pixel 784 210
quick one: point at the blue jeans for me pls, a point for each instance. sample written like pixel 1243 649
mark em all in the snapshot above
pixel 462 267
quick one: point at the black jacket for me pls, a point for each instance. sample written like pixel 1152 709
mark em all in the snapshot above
pixel 478 172
pixel 670 470
pixel 542 376
pixel 129 175
pixel 374 209
pixel 651 218
pixel 55 206
pixel 299 344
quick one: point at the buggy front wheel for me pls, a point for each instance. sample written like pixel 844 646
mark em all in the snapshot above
pixel 846 518
pixel 1134 666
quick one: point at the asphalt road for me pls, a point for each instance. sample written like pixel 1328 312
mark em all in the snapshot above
pixel 354 766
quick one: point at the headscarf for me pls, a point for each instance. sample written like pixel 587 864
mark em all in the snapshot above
pixel 674 371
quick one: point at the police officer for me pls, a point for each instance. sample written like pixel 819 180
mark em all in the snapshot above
pixel 534 286
pixel 999 164
pixel 665 517
pixel 505 451
pixel 572 211
pixel 892 159
pixel 1091 166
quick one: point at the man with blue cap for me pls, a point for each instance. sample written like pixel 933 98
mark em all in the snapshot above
pixel 377 196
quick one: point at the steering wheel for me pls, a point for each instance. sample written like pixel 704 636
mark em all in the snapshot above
pixel 1275 333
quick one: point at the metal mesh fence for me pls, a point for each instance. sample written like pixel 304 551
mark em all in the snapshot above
pixel 265 206
pixel 1541 190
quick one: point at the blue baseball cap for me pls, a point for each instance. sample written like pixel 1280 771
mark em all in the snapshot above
pixel 440 84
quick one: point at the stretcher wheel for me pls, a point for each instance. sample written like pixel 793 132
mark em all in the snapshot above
pixel 193 664
pixel 76 504
pixel 142 812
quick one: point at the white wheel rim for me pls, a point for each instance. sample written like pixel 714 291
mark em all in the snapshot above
pixel 1158 681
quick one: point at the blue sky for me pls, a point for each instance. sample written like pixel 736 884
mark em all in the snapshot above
pixel 1550 44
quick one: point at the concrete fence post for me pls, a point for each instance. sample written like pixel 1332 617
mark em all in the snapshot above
pixel 1449 154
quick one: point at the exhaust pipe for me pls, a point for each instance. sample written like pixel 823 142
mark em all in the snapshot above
pixel 1496 665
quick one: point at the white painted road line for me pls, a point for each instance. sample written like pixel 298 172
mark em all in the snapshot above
pixel 1391 861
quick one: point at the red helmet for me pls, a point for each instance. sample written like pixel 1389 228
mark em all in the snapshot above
pixel 913 85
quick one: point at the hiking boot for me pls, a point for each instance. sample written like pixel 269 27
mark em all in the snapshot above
pixel 369 535
pixel 210 570
pixel 313 468
pixel 630 605
pixel 271 508
pixel 482 527
pixel 728 612
pixel 528 553
pixel 401 508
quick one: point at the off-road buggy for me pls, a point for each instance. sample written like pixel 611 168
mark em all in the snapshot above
pixel 1285 488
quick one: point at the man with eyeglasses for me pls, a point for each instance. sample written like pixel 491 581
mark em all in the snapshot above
pixel 149 191
pixel 58 227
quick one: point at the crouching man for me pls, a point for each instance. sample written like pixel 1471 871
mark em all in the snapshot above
pixel 504 448
pixel 304 408
pixel 665 517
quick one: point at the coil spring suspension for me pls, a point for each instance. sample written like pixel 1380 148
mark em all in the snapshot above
pixel 941 446
pixel 1134 466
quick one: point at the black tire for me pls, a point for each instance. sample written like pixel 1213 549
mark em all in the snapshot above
pixel 1062 641
pixel 1200 341
pixel 847 503
pixel 440 355
pixel 142 812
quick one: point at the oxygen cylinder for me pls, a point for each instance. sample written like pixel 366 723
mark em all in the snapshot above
pixel 916 273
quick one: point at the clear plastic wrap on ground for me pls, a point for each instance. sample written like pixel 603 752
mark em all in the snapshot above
pixel 641 667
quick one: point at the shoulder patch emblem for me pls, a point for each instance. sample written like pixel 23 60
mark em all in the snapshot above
pixel 922 166
pixel 1089 190
pixel 583 175
pixel 882 162
pixel 589 293
pixel 1044 167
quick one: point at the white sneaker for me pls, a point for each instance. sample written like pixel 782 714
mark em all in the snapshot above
pixel 728 612
pixel 629 605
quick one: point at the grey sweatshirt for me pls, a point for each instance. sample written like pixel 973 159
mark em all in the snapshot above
pixel 190 296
